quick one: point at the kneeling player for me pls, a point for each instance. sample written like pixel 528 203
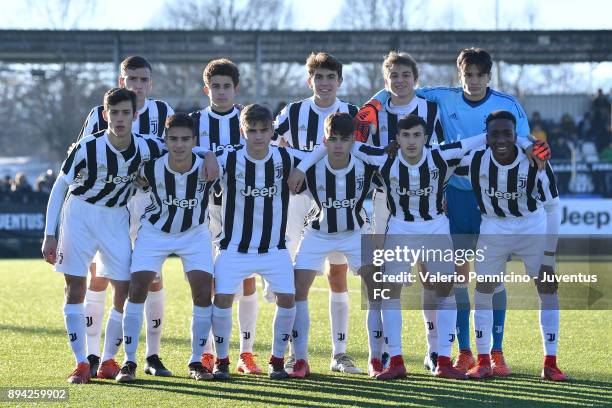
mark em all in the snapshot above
pixel 518 203
pixel 174 222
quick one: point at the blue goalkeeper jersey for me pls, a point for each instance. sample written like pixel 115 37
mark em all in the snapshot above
pixel 462 118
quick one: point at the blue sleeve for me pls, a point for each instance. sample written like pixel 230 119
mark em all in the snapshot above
pixel 522 123
pixel 434 94
pixel 382 96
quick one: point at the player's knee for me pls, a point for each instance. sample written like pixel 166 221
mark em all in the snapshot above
pixel 97 283
pixel 337 278
pixel 249 286
pixel 546 287
pixel 201 298
pixel 139 286
pixel 285 300
pixel 156 286
pixel 486 287
pixel 443 289
pixel 120 294
pixel 75 289
pixel 224 300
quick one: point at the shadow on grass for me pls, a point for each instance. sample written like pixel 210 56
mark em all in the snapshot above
pixel 415 390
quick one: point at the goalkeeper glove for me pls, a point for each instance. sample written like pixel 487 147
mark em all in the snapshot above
pixel 366 120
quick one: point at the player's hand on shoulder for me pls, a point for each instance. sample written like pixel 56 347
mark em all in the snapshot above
pixel 366 120
pixel 392 149
pixel 538 154
pixel 49 249
pixel 142 182
pixel 295 180
pixel 210 170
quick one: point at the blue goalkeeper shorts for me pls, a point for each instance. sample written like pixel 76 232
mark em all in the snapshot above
pixel 464 217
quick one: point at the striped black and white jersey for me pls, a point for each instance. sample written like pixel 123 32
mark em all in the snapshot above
pixel 339 194
pixel 415 191
pixel 255 199
pixel 151 119
pixel 179 201
pixel 391 114
pixel 215 131
pixel 300 123
pixel 100 174
pixel 514 190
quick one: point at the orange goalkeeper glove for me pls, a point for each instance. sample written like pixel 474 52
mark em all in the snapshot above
pixel 366 120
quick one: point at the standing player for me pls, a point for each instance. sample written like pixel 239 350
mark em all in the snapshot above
pixel 462 112
pixel 99 174
pixel 218 128
pixel 255 206
pixel 300 125
pixel 401 74
pixel 174 223
pixel 518 204
pixel 135 75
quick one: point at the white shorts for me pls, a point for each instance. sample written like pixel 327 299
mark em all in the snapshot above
pixel 136 206
pixel 153 246
pixel 317 245
pixel 433 235
pixel 499 238
pixel 215 220
pixel 231 268
pixel 86 228
pixel 380 212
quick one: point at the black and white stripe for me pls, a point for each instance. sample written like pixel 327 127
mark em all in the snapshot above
pixel 301 123
pixel 415 192
pixel 509 191
pixel 179 201
pixel 101 175
pixel 339 195
pixel 390 115
pixel 217 132
pixel 151 120
pixel 255 199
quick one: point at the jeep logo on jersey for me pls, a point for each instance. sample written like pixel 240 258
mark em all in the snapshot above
pixel 309 146
pixel 119 179
pixel 346 203
pixel 259 192
pixel 181 203
pixel 403 191
pixel 220 147
pixel 491 192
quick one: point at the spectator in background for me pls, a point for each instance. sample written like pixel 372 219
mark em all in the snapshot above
pixel 568 126
pixel 560 144
pixel 20 184
pixel 5 184
pixel 606 154
pixel 538 132
pixel 44 182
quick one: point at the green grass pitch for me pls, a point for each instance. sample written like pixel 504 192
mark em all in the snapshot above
pixel 34 352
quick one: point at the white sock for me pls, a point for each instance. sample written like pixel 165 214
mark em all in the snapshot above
pixel 549 322
pixel 74 317
pixel 283 323
pixel 201 322
pixel 374 325
pixel 248 309
pixel 208 347
pixel 301 327
pixel 133 314
pixel 483 321
pixel 94 313
pixel 113 337
pixel 154 310
pixel 446 324
pixel 392 325
pixel 430 304
pixel 338 316
pixel 222 329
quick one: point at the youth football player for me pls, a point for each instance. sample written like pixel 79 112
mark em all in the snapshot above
pixel 519 204
pixel 99 174
pixel 255 211
pixel 218 128
pixel 300 125
pixel 174 223
pixel 462 113
pixel 135 75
